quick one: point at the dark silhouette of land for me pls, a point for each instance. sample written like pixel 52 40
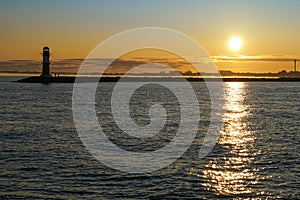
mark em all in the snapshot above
pixel 71 79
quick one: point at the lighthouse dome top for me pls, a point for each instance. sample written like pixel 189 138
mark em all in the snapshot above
pixel 46 48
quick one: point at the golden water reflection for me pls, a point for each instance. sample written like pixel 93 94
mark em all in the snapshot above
pixel 230 172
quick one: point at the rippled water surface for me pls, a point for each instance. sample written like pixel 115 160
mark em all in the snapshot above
pixel 257 154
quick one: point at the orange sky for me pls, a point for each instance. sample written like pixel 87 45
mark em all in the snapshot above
pixel 268 29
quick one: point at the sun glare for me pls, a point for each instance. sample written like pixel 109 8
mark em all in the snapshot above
pixel 235 43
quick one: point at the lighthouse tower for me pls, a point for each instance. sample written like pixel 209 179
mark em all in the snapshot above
pixel 46 62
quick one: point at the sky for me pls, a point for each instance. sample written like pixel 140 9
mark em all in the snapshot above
pixel 269 29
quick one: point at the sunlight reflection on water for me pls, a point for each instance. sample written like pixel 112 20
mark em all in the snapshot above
pixel 232 174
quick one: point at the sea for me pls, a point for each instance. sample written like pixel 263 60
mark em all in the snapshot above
pixel 256 156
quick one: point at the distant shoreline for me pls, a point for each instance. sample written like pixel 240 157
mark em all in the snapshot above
pixel 71 79
pixel 188 74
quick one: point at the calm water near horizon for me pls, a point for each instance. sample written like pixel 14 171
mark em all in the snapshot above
pixel 257 155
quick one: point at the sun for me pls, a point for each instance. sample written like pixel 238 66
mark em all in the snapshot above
pixel 235 43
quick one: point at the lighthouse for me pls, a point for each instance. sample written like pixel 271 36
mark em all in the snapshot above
pixel 46 62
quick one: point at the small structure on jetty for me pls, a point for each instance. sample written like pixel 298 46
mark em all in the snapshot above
pixel 46 62
pixel 45 76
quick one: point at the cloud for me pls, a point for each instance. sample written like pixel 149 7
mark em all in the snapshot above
pixel 257 58
pixel 20 65
pixel 121 65
pixel 69 65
